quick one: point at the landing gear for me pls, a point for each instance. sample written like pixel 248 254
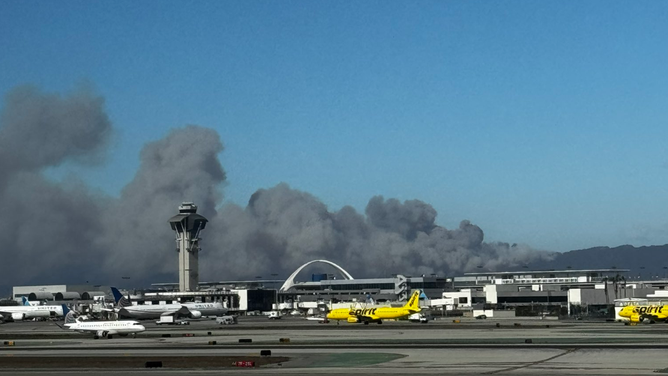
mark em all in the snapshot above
pixel 379 322
pixel 96 337
pixel 366 323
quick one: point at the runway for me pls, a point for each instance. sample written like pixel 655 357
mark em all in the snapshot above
pixel 472 347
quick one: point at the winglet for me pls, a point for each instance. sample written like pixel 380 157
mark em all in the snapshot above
pixel 414 302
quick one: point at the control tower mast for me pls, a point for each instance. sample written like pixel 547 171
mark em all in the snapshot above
pixel 187 226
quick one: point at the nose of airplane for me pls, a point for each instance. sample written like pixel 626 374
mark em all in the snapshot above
pixel 142 328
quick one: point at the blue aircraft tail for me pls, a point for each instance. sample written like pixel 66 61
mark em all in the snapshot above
pixel 70 316
pixel 120 300
pixel 25 301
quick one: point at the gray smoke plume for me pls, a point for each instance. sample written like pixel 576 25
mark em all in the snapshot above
pixel 282 228
pixel 66 233
pixel 182 166
pixel 48 227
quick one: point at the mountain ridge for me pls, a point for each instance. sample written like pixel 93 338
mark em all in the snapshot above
pixel 644 262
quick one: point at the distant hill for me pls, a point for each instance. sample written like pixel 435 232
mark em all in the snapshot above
pixel 644 262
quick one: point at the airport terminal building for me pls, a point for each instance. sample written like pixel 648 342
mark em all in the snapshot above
pixel 549 292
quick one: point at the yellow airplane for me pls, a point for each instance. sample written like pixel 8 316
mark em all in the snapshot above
pixel 377 315
pixel 640 313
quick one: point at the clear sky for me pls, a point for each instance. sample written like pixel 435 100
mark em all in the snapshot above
pixel 543 122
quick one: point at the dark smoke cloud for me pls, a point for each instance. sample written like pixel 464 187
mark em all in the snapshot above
pixel 281 228
pixel 41 130
pixel 407 219
pixel 182 166
pixel 65 233
pixel 48 227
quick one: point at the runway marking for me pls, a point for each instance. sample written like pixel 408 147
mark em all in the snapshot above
pixel 569 351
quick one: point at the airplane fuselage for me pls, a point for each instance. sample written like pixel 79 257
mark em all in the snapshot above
pixel 153 311
pixel 106 328
pixel 30 312
pixel 640 313
pixel 383 313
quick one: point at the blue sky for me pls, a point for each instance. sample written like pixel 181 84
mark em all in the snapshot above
pixel 542 122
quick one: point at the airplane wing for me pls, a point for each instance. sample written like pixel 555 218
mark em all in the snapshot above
pixel 368 318
pixel 183 311
pixel 7 315
pixel 99 332
pixel 122 312
pixel 652 317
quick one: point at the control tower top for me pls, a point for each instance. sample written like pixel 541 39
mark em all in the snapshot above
pixel 188 221
pixel 188 207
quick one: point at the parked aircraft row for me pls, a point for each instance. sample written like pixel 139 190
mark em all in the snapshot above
pixel 124 309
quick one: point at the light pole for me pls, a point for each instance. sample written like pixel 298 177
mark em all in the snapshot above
pixel 273 277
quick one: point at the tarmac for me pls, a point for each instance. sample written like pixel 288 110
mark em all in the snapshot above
pixel 301 347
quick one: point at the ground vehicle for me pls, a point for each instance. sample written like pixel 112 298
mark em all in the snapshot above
pixel 481 317
pixel 226 320
pixel 273 315
pixel 170 320
pixel 418 317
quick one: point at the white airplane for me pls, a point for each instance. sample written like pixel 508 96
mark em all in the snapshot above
pixel 28 311
pixel 101 329
pixel 125 308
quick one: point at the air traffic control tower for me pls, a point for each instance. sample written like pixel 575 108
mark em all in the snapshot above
pixel 187 226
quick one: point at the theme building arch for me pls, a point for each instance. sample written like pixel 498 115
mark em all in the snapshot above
pixel 291 279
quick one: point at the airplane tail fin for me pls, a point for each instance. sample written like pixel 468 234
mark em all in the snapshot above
pixel 414 302
pixel 70 315
pixel 25 300
pixel 120 300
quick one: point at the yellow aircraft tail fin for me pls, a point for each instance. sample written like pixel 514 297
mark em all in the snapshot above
pixel 414 302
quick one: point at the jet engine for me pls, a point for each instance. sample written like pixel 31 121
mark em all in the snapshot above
pixel 195 314
pixel 104 334
pixel 352 319
pixel 18 316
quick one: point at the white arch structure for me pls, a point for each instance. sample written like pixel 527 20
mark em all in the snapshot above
pixel 291 279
